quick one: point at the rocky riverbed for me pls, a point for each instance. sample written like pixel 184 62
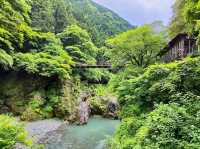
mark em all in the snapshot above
pixel 56 134
pixel 44 131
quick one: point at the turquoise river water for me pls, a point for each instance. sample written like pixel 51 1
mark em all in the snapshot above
pixel 90 136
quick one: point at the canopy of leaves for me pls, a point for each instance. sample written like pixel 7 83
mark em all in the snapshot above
pixel 137 47
pixel 78 44
pixel 52 61
pixel 21 48
pixel 97 20
pixel 11 132
pixel 51 15
pixel 192 9
pixel 178 22
pixel 13 14
pixel 54 16
pixel 185 18
pixel 6 61
pixel 160 107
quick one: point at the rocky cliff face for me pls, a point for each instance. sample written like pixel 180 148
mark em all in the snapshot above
pixel 33 97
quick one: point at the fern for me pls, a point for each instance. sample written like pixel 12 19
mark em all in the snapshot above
pixel 6 61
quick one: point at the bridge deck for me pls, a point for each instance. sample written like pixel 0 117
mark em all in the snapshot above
pixel 93 66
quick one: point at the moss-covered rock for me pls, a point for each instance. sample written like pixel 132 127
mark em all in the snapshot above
pixel 16 89
pixel 34 97
pixel 67 101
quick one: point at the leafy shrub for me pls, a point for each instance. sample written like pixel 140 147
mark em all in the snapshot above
pixel 128 128
pixel 33 110
pixel 169 126
pixel 6 61
pixel 130 111
pixel 53 61
pixel 97 106
pixel 137 90
pixel 11 132
pixel 122 76
pixel 187 100
pixel 172 125
pixel 112 143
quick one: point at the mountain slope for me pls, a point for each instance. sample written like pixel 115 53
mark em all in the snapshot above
pixel 98 20
pixel 54 16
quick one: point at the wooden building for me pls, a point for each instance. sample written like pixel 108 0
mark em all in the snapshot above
pixel 179 47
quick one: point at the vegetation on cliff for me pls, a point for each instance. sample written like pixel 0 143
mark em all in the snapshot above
pixel 55 16
pixel 99 21
pixel 41 42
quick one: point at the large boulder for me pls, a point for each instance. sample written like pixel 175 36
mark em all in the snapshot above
pixel 112 109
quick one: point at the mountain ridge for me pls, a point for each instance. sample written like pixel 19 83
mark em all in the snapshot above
pixel 99 21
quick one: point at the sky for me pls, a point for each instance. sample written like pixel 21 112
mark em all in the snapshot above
pixel 139 12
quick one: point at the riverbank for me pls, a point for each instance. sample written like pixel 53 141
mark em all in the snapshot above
pixel 55 134
pixel 43 131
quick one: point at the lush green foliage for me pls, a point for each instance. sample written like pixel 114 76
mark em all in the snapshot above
pixel 97 20
pixel 50 62
pixel 186 17
pixel 6 61
pixel 28 50
pixel 78 44
pixel 44 58
pixel 178 22
pixel 51 15
pixel 55 16
pixel 13 15
pixel 192 16
pixel 160 107
pixel 137 47
pixel 169 126
pixel 11 132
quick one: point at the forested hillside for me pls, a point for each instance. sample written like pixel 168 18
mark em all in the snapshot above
pixel 41 41
pixel 46 47
pixel 160 102
pixel 98 20
pixel 54 16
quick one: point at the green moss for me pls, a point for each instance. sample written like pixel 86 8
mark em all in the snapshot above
pixel 33 97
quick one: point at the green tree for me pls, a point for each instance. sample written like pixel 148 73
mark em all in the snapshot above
pixel 12 132
pixel 13 15
pixel 99 21
pixel 178 22
pixel 41 15
pixel 192 13
pixel 51 15
pixel 137 47
pixel 62 15
pixel 78 44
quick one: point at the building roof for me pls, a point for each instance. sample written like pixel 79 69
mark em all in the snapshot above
pixel 173 41
pixel 176 38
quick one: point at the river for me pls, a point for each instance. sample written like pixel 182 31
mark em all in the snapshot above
pixel 90 136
